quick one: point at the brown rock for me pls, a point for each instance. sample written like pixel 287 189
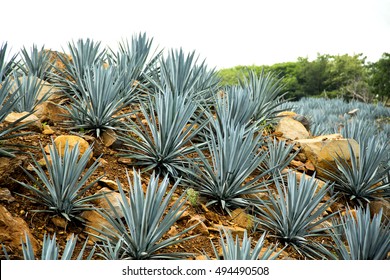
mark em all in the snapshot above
pixel 5 195
pixel 108 183
pixel 200 227
pixel 59 222
pixel 49 111
pixel 292 129
pixel 94 222
pixel 35 124
pixel 13 230
pixel 377 205
pixel 286 114
pixel 108 137
pixel 47 130
pixel 241 218
pixel 112 197
pixel 72 140
pixel 322 152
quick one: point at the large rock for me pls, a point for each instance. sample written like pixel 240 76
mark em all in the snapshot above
pixel 110 197
pixel 24 118
pixel 13 230
pixel 95 223
pixel 291 129
pixel 322 152
pixel 72 140
pixel 50 112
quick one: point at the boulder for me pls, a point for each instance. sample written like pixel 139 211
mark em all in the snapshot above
pixel 322 152
pixel 72 140
pixel 13 230
pixel 95 222
pixel 50 112
pixel 291 129
pixel 110 197
pixel 24 118
pixel 242 219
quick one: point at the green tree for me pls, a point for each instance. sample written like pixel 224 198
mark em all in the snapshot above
pixel 380 77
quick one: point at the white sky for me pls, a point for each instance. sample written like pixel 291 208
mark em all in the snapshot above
pixel 224 32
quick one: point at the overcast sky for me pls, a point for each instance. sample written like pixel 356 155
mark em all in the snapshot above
pixel 225 33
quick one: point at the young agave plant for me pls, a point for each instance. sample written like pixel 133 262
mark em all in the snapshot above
pixel 36 62
pixel 96 107
pixel 165 141
pixel 363 178
pixel 27 94
pixel 235 154
pixel 279 156
pixel 267 92
pixel 50 249
pixel 138 231
pixel 242 249
pixel 293 214
pixel 6 67
pixel 362 238
pixel 63 190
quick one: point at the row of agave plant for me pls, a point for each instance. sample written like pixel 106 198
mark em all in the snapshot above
pixel 189 133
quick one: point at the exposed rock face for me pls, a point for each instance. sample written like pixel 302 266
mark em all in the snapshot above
pixel 13 230
pixel 291 129
pixel 49 111
pixel 322 151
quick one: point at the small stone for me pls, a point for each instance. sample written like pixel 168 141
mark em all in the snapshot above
pixel 108 137
pixel 5 195
pixel 59 222
pixel 108 183
pixel 22 212
pixel 200 227
pixel 126 161
pixel 47 130
pixel 241 218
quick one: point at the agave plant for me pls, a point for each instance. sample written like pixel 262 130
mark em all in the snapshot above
pixel 6 67
pixel 361 237
pixel 84 56
pixel 28 92
pixel 266 92
pixel 279 156
pixel 96 107
pixel 235 154
pixel 63 190
pixel 8 102
pixel 236 249
pixel 138 230
pixel 294 214
pixel 50 249
pixel 36 62
pixel 363 178
pixel 131 61
pixel 180 74
pixel 165 141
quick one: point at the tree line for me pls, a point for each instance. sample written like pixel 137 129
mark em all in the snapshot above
pixel 343 76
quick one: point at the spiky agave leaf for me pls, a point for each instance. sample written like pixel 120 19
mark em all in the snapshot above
pixel 50 249
pixel 235 154
pixel 363 178
pixel 293 214
pixel 165 141
pixel 267 92
pixel 63 190
pixel 36 62
pixel 28 87
pixel 147 217
pixel 6 67
pixel 279 156
pixel 361 237
pixel 97 106
pixel 236 249
pixel 8 100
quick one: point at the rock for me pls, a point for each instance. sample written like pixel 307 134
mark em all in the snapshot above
pixel 108 184
pixel 5 195
pixel 114 198
pixel 13 230
pixel 291 129
pixel 353 112
pixel 35 124
pixel 377 205
pixel 300 175
pixel 323 151
pixel 201 228
pixel 72 140
pixel 10 168
pixel 201 258
pixel 289 114
pixel 235 230
pixel 95 221
pixel 47 130
pixel 59 222
pixel 50 112
pixel 241 218
pixel 108 137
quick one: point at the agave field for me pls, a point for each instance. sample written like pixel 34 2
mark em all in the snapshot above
pixel 177 166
